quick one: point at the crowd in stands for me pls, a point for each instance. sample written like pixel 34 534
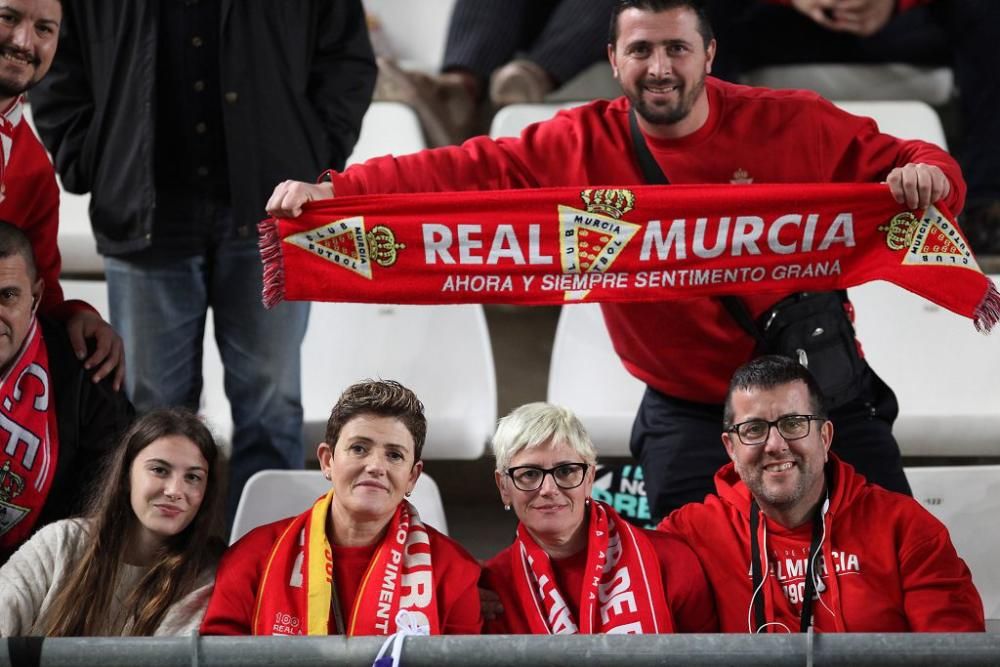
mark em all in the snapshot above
pixel 113 523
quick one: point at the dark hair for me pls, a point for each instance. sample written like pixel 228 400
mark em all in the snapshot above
pixel 384 398
pixel 696 6
pixel 768 372
pixel 82 606
pixel 13 241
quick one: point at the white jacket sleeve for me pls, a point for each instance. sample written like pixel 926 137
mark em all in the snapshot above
pixel 28 580
pixel 184 616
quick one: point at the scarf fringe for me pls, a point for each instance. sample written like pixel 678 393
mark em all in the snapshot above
pixel 274 267
pixel 987 313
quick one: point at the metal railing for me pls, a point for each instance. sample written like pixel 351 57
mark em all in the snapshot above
pixel 853 650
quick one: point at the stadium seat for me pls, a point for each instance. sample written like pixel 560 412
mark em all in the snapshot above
pixel 888 81
pixel 510 120
pixel 388 128
pixel 443 353
pixel 967 500
pixel 275 494
pixel 906 120
pixel 413 32
pixel 586 376
pixel 945 374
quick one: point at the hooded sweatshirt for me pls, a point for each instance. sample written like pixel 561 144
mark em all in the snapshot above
pixel 885 564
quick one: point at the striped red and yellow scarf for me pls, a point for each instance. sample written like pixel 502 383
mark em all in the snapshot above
pixel 296 591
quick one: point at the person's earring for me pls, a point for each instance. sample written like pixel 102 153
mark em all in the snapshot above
pixel 407 494
pixel 506 507
pixel 327 475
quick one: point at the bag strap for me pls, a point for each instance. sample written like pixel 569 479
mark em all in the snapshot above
pixel 654 175
pixel 737 308
pixel 651 171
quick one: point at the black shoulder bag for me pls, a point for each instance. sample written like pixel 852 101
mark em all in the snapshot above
pixel 811 327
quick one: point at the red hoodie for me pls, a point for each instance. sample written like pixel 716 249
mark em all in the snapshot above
pixel 895 568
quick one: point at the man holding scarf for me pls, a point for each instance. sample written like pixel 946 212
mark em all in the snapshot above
pixel 864 559
pixel 57 426
pixel 695 130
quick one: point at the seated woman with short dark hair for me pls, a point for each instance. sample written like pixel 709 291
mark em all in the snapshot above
pixel 359 561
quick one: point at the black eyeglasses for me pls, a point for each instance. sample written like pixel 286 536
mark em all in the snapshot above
pixel 566 476
pixel 791 427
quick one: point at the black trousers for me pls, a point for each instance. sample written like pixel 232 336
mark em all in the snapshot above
pixel 679 444
pixel 564 37
pixel 962 34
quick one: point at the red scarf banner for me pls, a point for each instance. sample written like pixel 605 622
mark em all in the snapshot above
pixel 641 243
pixel 622 589
pixel 296 591
pixel 31 435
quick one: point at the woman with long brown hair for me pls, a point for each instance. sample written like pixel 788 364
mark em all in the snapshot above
pixel 142 560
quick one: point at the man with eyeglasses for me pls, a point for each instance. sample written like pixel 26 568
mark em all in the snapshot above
pixel 827 549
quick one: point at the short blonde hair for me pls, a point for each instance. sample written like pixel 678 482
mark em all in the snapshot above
pixel 533 424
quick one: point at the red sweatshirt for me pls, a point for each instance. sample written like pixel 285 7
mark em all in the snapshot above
pixel 230 611
pixel 894 566
pixel 687 349
pixel 688 593
pixel 31 202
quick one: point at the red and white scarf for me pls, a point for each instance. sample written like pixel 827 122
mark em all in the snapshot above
pixel 296 592
pixel 638 243
pixel 9 120
pixel 29 440
pixel 622 592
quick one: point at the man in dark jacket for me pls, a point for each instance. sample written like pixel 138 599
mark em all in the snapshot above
pixel 57 425
pixel 179 117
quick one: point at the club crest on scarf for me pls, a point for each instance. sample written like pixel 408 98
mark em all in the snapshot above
pixel 590 240
pixel 28 428
pixel 930 240
pixel 346 244
pixel 11 486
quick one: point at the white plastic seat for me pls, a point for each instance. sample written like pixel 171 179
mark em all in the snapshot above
pixel 945 373
pixel 270 495
pixel 902 119
pixel 511 119
pixel 388 128
pixel 442 353
pixel 966 499
pixel 415 32
pixel 587 377
pixel 849 81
